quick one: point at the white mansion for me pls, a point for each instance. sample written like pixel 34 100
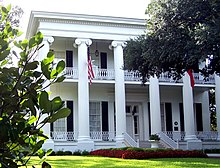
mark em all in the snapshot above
pixel 116 110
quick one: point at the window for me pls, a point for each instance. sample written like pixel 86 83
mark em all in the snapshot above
pixel 94 116
pixel 69 58
pixel 64 124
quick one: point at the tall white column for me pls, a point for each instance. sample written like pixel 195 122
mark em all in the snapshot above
pixel 47 41
pixel 189 120
pixel 155 115
pixel 205 111
pixel 217 102
pixel 83 89
pixel 119 91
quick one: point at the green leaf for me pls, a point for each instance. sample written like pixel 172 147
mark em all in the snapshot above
pixel 32 65
pixel 49 59
pixel 32 42
pixel 53 74
pixel 62 113
pixel 39 38
pixel 4 62
pixel 45 70
pixel 32 119
pixel 57 103
pixel 60 66
pixel 44 102
pixel 4 54
pixel 60 79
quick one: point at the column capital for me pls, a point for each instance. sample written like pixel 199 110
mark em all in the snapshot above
pixel 80 41
pixel 114 44
pixel 49 39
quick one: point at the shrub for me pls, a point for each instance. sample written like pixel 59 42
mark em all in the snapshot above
pixel 77 153
pixel 154 137
pixel 145 154
pixel 84 153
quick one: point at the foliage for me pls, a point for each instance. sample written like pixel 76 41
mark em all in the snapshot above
pixel 145 154
pixel 180 35
pixel 154 137
pixel 25 106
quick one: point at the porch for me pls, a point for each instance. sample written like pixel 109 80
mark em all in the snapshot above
pixel 109 74
pixel 169 139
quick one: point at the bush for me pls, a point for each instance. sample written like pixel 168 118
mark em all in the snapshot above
pixel 77 153
pixel 85 153
pixel 145 154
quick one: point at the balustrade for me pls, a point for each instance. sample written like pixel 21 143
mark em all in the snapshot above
pixel 109 74
pixel 63 136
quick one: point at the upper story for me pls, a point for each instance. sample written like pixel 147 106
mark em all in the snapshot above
pixel 62 30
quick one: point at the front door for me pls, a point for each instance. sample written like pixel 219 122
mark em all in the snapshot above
pixel 132 120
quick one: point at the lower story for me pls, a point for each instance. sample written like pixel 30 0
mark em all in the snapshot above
pixel 139 118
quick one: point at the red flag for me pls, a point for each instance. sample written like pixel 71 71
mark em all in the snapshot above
pixel 90 70
pixel 192 82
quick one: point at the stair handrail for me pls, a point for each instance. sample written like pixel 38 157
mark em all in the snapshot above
pixel 168 140
pixel 130 140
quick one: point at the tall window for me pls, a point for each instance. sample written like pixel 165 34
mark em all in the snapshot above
pixel 94 116
pixel 64 124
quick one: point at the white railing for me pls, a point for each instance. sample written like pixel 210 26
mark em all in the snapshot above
pixel 207 135
pixel 63 136
pixel 130 140
pixel 132 76
pixel 164 137
pixel 165 77
pixel 71 73
pixel 104 74
pixel 102 136
pixel 199 79
pixel 109 74
pixel 176 136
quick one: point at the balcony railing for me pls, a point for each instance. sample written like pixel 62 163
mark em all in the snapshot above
pixel 63 136
pixel 102 136
pixel 202 135
pixel 71 136
pixel 109 74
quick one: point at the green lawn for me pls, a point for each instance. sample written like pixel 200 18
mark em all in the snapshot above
pixel 100 162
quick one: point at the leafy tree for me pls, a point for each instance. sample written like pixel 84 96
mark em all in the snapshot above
pixel 180 35
pixel 25 106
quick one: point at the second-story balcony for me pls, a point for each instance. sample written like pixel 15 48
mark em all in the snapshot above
pixel 109 74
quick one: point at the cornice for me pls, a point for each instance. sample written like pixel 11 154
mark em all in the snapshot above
pixel 95 23
pixel 81 19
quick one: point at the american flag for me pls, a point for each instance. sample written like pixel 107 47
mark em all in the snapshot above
pixel 90 70
pixel 192 82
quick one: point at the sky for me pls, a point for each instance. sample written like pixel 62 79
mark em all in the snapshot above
pixel 119 8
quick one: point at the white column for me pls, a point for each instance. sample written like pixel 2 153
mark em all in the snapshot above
pixel 111 120
pixel 217 102
pixel 47 41
pixel 83 89
pixel 189 119
pixel 155 115
pixel 119 91
pixel 205 111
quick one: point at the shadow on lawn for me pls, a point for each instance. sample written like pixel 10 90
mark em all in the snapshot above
pixel 103 162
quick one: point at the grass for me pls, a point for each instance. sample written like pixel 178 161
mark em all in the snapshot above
pixel 102 162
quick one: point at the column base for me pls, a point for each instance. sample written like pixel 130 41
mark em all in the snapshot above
pixel 87 145
pixel 194 144
pixel 120 141
pixel 190 137
pixel 49 144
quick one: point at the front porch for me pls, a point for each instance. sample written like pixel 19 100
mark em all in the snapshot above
pixel 169 139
